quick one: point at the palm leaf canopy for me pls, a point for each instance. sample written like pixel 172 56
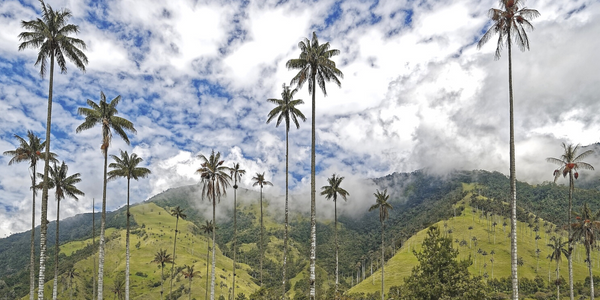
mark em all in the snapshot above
pixel 236 173
pixel 215 179
pixel 315 60
pixel 259 179
pixel 333 189
pixel 31 150
pixel 285 109
pixel 104 113
pixel 586 226
pixel 127 166
pixel 208 227
pixel 51 35
pixel 381 204
pixel 161 257
pixel 558 249
pixel 189 272
pixel 512 19
pixel 570 160
pixel 178 213
pixel 63 184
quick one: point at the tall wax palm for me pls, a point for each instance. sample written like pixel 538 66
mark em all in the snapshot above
pixel 126 166
pixel 64 186
pixel 104 114
pixel 383 206
pixel 315 67
pixel 189 274
pixel 70 274
pixel 570 162
pixel 260 180
pixel 176 212
pixel 51 35
pixel 30 150
pixel 208 228
pixel 285 110
pixel 215 181
pixel 236 174
pixel 161 257
pixel 557 248
pixel 586 228
pixel 331 191
pixel 509 23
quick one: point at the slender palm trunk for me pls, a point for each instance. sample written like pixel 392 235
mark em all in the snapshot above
pixel 234 231
pixel 589 259
pixel 102 225
pixel 173 265
pixel 44 218
pixel 207 262
pixel 32 247
pixel 127 246
pixel 382 261
pixel 337 247
pixel 56 250
pixel 513 181
pixel 570 250
pixel 313 211
pixel 190 294
pixel 94 246
pixel 261 236
pixel 557 282
pixel 70 288
pixel 162 280
pixel 285 235
pixel 212 275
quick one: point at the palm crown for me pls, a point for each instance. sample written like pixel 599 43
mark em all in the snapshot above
pixel 587 226
pixel 127 166
pixel 333 189
pixel 30 150
pixel 236 174
pixel 213 170
pixel 285 109
pixel 381 203
pixel 570 161
pixel 64 185
pixel 50 35
pixel 259 180
pixel 509 22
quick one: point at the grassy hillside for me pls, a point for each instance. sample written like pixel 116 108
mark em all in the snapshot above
pixel 488 240
pixel 155 231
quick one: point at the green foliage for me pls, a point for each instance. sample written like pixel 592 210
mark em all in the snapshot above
pixel 440 275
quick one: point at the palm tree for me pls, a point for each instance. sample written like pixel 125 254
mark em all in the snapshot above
pixel 236 174
pixel 104 113
pixel 586 228
pixel 161 257
pixel 316 67
pixel 118 287
pixel 510 23
pixel 126 166
pixel 331 191
pixel 189 274
pixel 50 34
pixel 215 181
pixel 557 250
pixel 383 206
pixel 64 187
pixel 259 179
pixel 30 150
pixel 178 213
pixel 285 110
pixel 70 274
pixel 208 228
pixel 570 161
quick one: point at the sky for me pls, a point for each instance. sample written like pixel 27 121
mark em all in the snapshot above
pixel 194 76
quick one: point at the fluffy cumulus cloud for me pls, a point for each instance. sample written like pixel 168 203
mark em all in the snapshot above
pixel 194 77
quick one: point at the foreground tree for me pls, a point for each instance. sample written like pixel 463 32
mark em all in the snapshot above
pixel 440 275
pixel 51 35
pixel 315 67
pixel 30 150
pixel 104 113
pixel 236 174
pixel 161 257
pixel 557 249
pixel 64 186
pixel 285 110
pixel 208 229
pixel 177 212
pixel 383 206
pixel 331 192
pixel 215 182
pixel 127 167
pixel 260 180
pixel 189 274
pixel 509 23
pixel 570 162
pixel 586 229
